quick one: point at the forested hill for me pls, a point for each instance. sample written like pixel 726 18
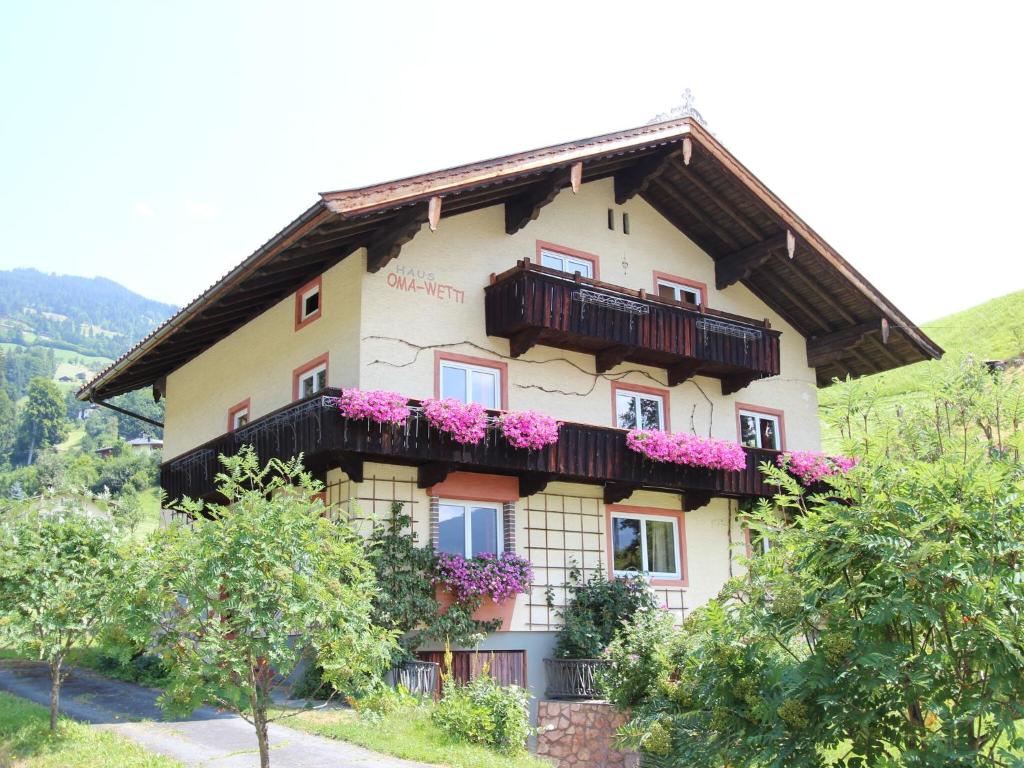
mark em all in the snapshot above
pixel 89 316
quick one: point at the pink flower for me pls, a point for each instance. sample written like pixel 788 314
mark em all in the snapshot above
pixel 376 405
pixel 810 466
pixel 687 449
pixel 465 422
pixel 498 577
pixel 529 429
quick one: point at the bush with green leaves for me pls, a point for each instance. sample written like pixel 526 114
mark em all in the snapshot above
pixel 883 626
pixel 256 586
pixel 596 608
pixel 484 712
pixel 60 574
pixel 634 658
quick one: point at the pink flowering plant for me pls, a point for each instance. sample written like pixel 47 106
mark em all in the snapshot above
pixel 465 422
pixel 375 405
pixel 497 577
pixel 810 466
pixel 529 429
pixel 687 449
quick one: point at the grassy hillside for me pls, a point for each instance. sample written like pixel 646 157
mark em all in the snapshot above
pixel 990 331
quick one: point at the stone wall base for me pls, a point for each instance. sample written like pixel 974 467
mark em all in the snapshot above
pixel 578 734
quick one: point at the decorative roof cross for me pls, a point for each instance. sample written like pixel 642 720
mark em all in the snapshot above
pixel 686 109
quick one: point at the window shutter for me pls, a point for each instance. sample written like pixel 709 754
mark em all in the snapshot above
pixel 508 510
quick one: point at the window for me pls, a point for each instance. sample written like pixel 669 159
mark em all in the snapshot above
pixel 760 430
pixel 645 544
pixel 639 410
pixel 669 289
pixel 470 383
pixel 238 416
pixel 566 263
pixel 469 528
pixel 310 378
pixel 307 303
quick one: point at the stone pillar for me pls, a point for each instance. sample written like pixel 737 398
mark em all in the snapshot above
pixel 578 734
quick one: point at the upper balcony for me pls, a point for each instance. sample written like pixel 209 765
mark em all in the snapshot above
pixel 584 453
pixel 531 304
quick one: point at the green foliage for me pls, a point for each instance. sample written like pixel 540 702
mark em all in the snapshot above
pixel 8 427
pixel 484 712
pixel 43 421
pixel 23 365
pixel 58 577
pixel 635 658
pixel 597 607
pixel 254 587
pixel 882 627
pixel 126 471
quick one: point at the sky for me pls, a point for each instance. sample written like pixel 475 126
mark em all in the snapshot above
pixel 159 143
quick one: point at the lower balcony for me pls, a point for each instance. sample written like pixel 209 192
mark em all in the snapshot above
pixel 530 304
pixel 584 453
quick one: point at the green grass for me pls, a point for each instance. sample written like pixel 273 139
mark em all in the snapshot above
pixel 149 500
pixel 408 733
pixel 73 440
pixel 26 742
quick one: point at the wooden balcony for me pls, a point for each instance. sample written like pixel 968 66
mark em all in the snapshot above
pixel 584 453
pixel 530 304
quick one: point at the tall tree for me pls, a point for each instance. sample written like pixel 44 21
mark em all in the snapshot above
pixel 57 578
pixel 43 418
pixel 882 627
pixel 257 585
pixel 8 426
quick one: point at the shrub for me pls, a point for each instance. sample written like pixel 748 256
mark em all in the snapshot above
pixel 597 607
pixel 635 658
pixel 485 713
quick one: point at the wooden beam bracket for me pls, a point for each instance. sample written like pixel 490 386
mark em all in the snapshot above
pixel 387 244
pixel 829 347
pixel 351 465
pixel 736 382
pixel 738 266
pixel 695 500
pixel 683 371
pixel 607 359
pixel 616 492
pixel 531 483
pixel 432 473
pixel 523 341
pixel 525 207
pixel 632 181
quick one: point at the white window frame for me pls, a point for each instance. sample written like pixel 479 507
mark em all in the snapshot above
pixel 643 544
pixel 467 519
pixel 637 396
pixel 468 369
pixel 765 417
pixel 244 411
pixel 303 314
pixel 312 373
pixel 678 289
pixel 570 264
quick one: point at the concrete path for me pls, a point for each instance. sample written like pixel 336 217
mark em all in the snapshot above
pixel 208 738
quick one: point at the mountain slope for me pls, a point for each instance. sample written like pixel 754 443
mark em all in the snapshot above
pixel 93 317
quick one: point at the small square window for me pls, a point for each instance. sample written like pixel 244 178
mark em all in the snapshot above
pixel 471 383
pixel 566 263
pixel 645 544
pixel 639 410
pixel 667 289
pixel 308 301
pixel 760 430
pixel 240 418
pixel 312 381
pixel 469 528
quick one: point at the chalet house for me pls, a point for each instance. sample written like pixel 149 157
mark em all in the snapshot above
pixel 641 279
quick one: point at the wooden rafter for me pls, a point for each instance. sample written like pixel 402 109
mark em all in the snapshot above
pixel 810 287
pixel 702 217
pixel 387 243
pixel 630 182
pixel 738 266
pixel 829 347
pixel 525 207
pixel 691 175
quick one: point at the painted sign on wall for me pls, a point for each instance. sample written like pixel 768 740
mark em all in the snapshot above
pixel 421 281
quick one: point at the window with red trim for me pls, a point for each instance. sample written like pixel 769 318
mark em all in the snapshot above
pixel 239 415
pixel 308 303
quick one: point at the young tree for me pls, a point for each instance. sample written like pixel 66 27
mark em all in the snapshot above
pixel 43 419
pixel 883 625
pixel 57 577
pixel 257 585
pixel 8 426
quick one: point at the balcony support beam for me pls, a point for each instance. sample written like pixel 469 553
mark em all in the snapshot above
pixel 351 465
pixel 608 358
pixel 523 341
pixel 432 473
pixel 684 371
pixel 829 347
pixel 695 500
pixel 524 208
pixel 617 492
pixel 532 483
pixel 385 246
pixel 738 266
pixel 733 384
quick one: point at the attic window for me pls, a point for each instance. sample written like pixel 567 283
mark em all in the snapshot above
pixel 307 303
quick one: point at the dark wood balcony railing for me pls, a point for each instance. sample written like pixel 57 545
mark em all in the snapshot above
pixel 584 453
pixel 530 304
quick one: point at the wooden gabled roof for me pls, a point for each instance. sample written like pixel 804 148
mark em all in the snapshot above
pixel 676 166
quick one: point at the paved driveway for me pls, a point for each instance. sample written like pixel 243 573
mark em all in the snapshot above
pixel 207 738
